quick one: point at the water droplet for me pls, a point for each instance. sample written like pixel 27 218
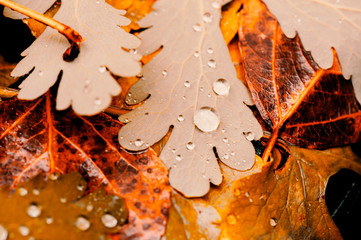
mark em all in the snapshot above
pixel 23 191
pixel 233 153
pixel 207 17
pixel 212 63
pixel 63 200
pixel 97 101
pixel 164 73
pixel 40 73
pixel 3 233
pixel 190 146
pixel 221 87
pixel 53 176
pixel 226 156
pixel 231 219
pixel 80 187
pixel 138 142
pixel 133 51
pixel 33 210
pixel 225 140
pixel 197 27
pixel 247 194
pixel 82 223
pixel 250 200
pixel 340 21
pixel 299 20
pixel 204 175
pixel 216 5
pixel 102 69
pixel 210 50
pixel 196 53
pixel 180 118
pixel 173 150
pixel 187 84
pixel 89 208
pixel 208 161
pixel 49 220
pixel 98 1
pixel 86 86
pixel 36 192
pixel 178 158
pixel 223 130
pixel 24 230
pixel 206 119
pixel 249 136
pixel 109 220
pixel 273 222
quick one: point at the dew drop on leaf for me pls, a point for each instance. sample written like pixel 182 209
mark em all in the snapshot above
pixel 273 222
pixel 210 50
pixel 178 157
pixel 206 119
pixel 180 118
pixel 97 101
pixel 164 73
pixel 40 73
pixel 197 27
pixel 102 69
pixel 53 176
pixel 187 84
pixel 212 63
pixel 196 54
pixel 33 210
pixel 23 191
pixel 3 233
pixel 63 200
pixel 221 87
pixel 216 5
pixel 89 208
pixel 138 142
pixel 49 220
pixel 109 220
pixel 24 230
pixel 36 192
pixel 225 140
pixel 207 17
pixel 231 219
pixel 249 136
pixel 190 146
pixel 82 223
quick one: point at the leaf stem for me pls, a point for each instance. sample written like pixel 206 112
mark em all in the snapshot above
pixel 73 37
pixel 270 144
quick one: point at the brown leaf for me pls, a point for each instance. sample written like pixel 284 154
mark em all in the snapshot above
pixel 55 209
pixel 290 202
pixel 36 139
pixel 5 69
pixel 317 108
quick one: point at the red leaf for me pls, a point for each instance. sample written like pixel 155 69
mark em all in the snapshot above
pixel 309 106
pixel 36 139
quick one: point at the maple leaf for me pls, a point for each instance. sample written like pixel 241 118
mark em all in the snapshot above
pixel 310 106
pixel 290 202
pixel 324 24
pixel 61 203
pixel 35 139
pixel 194 88
pixel 86 84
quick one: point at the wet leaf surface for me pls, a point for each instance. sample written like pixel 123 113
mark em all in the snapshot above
pixel 34 138
pixel 310 106
pixel 290 202
pixel 57 208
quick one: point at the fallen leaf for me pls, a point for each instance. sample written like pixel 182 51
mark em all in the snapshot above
pixel 194 88
pixel 290 202
pixel 102 50
pixel 308 105
pixel 59 209
pixel 5 69
pixel 324 24
pixel 36 139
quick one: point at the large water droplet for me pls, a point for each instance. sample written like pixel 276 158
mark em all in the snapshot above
pixel 212 63
pixel 197 27
pixel 109 220
pixel 221 87
pixel 206 119
pixel 23 191
pixel 164 73
pixel 3 233
pixel 190 146
pixel 82 223
pixel 33 210
pixel 138 142
pixel 187 84
pixel 207 17
pixel 24 230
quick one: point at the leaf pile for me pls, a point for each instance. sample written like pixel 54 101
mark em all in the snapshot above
pixel 59 203
pixel 34 138
pixel 193 88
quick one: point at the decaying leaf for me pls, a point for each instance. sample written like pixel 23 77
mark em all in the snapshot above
pixel 194 88
pixel 5 69
pixel 290 202
pixel 59 209
pixel 34 138
pixel 323 24
pixel 86 83
pixel 310 106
